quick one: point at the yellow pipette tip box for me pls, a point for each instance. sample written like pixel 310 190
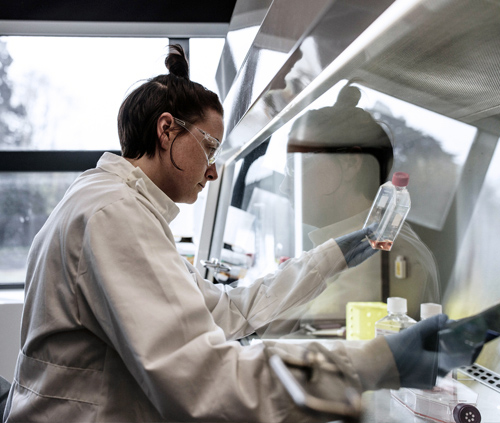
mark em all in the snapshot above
pixel 361 318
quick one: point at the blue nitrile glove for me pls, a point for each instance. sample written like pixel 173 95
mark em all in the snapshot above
pixel 415 351
pixel 428 349
pixel 460 342
pixel 355 247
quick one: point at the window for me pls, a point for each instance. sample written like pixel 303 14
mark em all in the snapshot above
pixel 59 100
pixel 27 200
pixel 63 93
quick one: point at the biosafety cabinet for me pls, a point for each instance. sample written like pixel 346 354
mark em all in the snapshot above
pixel 324 101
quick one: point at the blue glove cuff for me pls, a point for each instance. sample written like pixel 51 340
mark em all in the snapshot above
pixel 415 351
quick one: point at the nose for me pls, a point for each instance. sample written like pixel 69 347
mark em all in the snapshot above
pixel 211 172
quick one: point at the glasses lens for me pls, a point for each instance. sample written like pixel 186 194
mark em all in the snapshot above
pixel 212 147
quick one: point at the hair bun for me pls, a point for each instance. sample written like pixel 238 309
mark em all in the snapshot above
pixel 176 61
pixel 348 96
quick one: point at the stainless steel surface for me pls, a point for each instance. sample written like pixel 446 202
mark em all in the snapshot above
pixel 396 56
pixel 245 22
pixel 215 265
pixel 286 56
pixel 444 56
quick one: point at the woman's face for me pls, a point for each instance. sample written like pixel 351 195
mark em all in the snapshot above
pixel 321 177
pixel 331 185
pixel 187 170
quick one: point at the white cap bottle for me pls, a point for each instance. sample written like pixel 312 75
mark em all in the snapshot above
pixel 397 305
pixel 396 319
pixel 430 309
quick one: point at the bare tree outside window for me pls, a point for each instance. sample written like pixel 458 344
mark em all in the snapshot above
pixel 15 129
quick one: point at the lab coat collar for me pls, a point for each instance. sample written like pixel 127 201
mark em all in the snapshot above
pixel 138 180
pixel 353 223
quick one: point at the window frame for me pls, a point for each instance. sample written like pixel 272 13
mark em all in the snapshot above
pixel 81 160
pixel 47 161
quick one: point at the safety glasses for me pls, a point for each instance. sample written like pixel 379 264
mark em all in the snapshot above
pixel 211 145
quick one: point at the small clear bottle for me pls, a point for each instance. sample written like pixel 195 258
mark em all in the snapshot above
pixel 430 309
pixel 396 319
pixel 388 212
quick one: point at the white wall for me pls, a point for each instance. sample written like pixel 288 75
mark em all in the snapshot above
pixel 11 307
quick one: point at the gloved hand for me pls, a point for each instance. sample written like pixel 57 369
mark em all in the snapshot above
pixel 415 355
pixel 421 354
pixel 461 342
pixel 355 247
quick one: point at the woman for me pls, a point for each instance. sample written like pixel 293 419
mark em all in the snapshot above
pixel 118 327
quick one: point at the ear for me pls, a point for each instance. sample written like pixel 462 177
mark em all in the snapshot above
pixel 351 165
pixel 164 126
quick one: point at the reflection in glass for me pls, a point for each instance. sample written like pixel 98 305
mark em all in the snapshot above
pixel 259 231
pixel 345 156
pixel 474 283
pixel 428 146
pixel 323 188
pixel 27 199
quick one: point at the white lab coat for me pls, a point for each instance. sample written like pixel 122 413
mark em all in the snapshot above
pixel 118 327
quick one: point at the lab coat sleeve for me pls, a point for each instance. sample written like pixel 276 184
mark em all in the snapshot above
pixel 362 365
pixel 243 310
pixel 134 290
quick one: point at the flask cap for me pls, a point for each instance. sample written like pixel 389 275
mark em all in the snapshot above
pixel 396 305
pixel 400 179
pixel 430 309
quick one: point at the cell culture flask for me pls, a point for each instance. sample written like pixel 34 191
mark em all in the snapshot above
pixel 388 212
pixel 449 402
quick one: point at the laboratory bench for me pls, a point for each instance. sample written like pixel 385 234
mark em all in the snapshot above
pixel 381 407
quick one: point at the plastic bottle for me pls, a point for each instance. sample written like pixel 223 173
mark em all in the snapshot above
pixel 429 309
pixel 396 319
pixel 388 212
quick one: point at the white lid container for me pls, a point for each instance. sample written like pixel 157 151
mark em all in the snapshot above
pixel 430 309
pixel 396 305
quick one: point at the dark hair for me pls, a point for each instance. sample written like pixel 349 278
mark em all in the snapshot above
pixel 174 93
